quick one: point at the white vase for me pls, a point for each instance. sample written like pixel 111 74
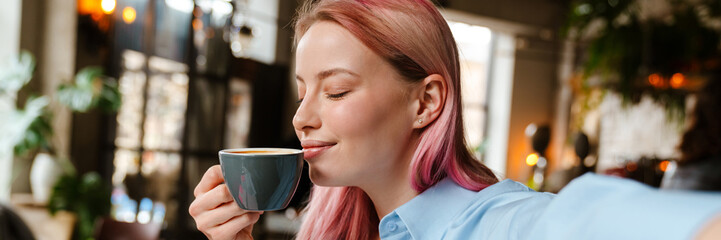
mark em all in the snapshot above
pixel 44 173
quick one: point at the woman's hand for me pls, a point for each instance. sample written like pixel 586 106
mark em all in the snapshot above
pixel 215 212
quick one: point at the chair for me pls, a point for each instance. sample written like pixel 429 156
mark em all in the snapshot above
pixel 113 230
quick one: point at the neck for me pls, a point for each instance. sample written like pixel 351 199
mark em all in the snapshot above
pixel 390 191
pixel 390 194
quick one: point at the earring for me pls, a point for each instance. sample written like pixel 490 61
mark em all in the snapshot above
pixel 420 121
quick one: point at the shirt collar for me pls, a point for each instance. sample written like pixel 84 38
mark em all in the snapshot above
pixel 435 208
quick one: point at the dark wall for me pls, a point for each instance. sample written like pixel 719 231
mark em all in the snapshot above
pixel 540 13
pixel 269 83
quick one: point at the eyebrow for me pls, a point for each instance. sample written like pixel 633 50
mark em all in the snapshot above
pixel 330 72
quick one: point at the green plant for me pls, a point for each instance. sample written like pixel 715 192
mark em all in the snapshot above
pixel 29 128
pixel 647 47
pixel 90 89
pixel 37 133
pixel 25 129
pixel 87 196
pixel 17 73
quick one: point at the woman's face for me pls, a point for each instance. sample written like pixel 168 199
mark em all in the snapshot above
pixel 355 119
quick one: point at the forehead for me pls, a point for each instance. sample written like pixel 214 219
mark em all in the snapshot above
pixel 327 45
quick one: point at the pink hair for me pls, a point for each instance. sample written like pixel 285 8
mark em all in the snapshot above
pixel 414 38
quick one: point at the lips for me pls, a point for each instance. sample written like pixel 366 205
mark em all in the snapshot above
pixel 313 148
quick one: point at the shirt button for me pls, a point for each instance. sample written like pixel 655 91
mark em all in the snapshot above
pixel 392 226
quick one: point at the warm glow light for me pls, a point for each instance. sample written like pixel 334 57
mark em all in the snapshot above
pixel 88 7
pixel 677 80
pixel 96 16
pixel 108 6
pixel 129 15
pixel 532 159
pixel 631 167
pixel 197 24
pixel 655 80
pixel 663 166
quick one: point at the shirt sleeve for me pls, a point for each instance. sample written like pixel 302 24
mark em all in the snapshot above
pixel 603 207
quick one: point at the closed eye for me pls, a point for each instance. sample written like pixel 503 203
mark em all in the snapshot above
pixel 337 95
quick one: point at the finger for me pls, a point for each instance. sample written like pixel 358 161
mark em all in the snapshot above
pixel 219 215
pixel 210 200
pixel 235 225
pixel 211 178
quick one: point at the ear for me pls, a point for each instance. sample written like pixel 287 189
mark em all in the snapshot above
pixel 431 95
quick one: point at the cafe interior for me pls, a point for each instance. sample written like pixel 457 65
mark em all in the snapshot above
pixel 111 111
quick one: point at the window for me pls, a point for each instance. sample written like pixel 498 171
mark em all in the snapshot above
pixel 487 57
pixel 474 45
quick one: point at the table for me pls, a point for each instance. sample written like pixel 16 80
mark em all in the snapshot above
pixel 38 218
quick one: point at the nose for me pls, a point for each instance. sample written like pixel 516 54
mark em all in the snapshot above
pixel 306 117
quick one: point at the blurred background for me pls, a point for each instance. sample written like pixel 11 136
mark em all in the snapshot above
pixel 112 110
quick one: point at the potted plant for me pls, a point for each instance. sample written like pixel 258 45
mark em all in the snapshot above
pixel 27 130
pixel 22 129
pixel 88 196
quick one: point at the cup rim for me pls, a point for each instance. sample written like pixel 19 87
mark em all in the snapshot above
pixel 286 151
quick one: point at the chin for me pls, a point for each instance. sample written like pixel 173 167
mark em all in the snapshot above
pixel 324 178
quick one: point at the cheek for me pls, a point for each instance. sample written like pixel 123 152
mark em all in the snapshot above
pixel 354 117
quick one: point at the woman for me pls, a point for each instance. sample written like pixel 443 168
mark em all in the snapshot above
pixel 380 124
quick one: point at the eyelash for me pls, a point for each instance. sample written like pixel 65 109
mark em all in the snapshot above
pixel 336 96
pixel 330 96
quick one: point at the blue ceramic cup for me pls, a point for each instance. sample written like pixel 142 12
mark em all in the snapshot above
pixel 261 179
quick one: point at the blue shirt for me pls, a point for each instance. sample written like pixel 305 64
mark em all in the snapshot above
pixel 590 207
